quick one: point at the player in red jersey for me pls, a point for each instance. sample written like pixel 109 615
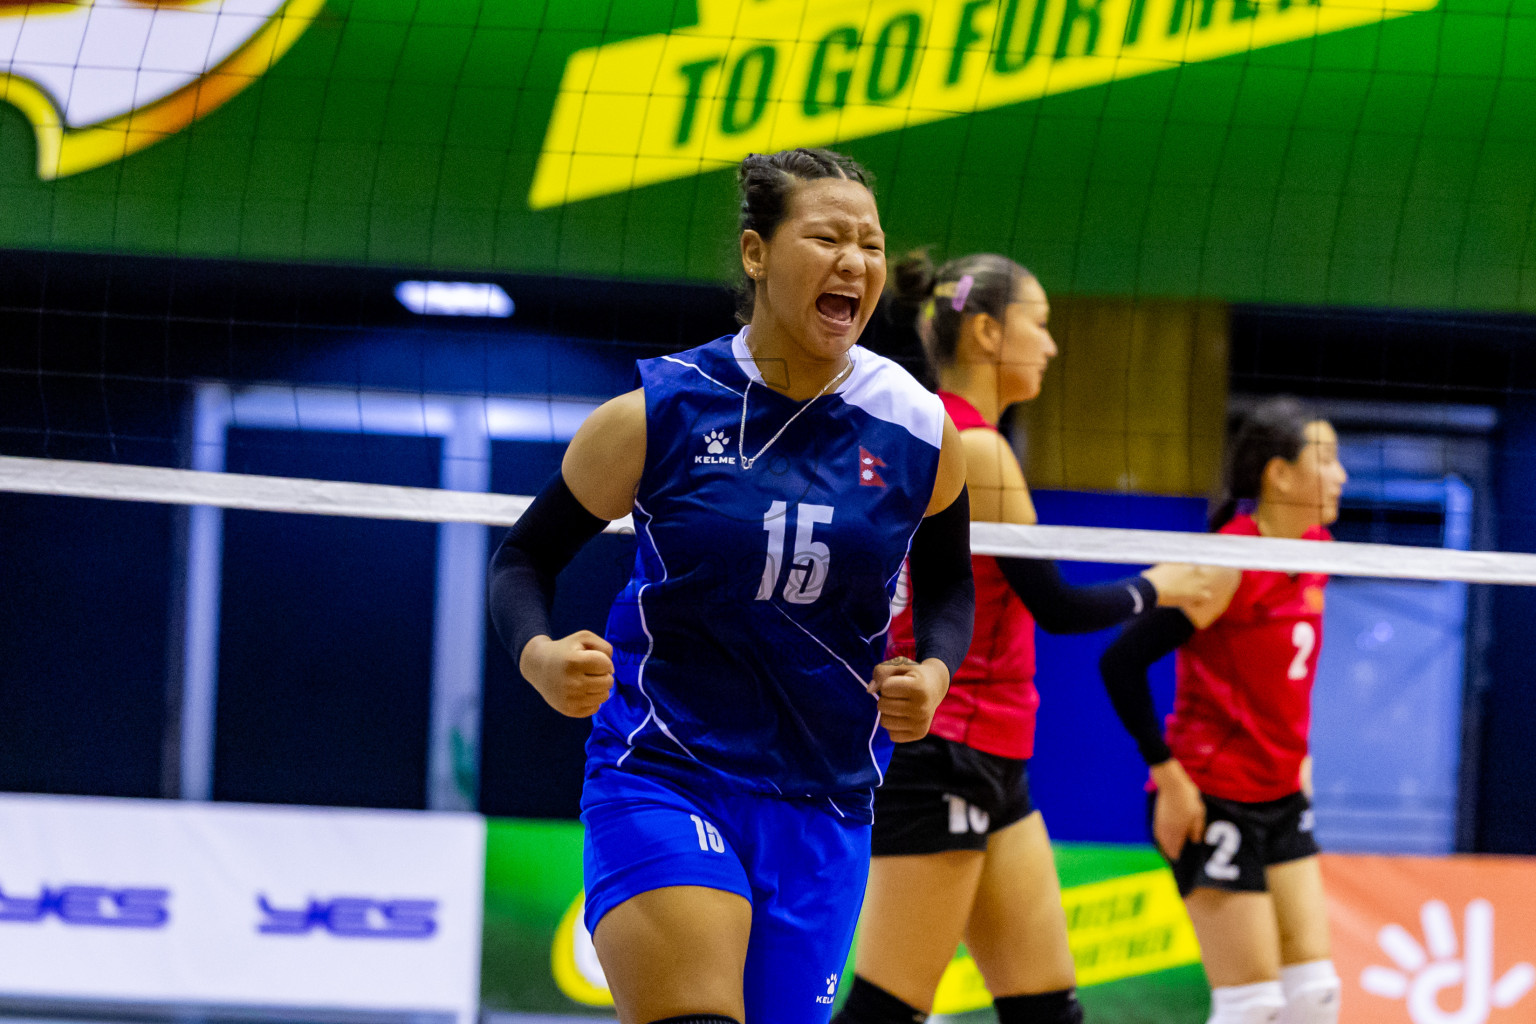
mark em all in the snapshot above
pixel 959 850
pixel 1232 808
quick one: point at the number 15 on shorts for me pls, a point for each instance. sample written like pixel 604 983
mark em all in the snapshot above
pixel 709 836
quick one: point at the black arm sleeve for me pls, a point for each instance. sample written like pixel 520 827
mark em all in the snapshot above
pixel 943 590
pixel 541 543
pixel 1060 607
pixel 1124 667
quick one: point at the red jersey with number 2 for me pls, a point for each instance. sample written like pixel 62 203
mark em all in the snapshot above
pixel 992 698
pixel 1243 705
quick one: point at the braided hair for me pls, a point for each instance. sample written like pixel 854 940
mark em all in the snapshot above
pixel 768 182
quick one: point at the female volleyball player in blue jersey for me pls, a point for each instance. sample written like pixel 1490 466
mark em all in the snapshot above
pixel 742 713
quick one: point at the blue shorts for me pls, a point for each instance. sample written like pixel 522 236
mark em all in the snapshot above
pixel 801 867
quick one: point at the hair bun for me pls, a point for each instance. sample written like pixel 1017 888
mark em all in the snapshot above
pixel 914 276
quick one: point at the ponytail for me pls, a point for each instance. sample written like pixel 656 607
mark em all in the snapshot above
pixel 897 329
pixel 1223 509
pixel 941 298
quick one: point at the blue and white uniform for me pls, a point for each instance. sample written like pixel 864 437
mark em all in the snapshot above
pixel 740 747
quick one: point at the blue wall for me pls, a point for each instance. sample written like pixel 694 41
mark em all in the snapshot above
pixel 1086 775
pixel 85 608
pixel 325 640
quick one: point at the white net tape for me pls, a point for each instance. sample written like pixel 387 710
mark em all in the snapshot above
pixel 1075 543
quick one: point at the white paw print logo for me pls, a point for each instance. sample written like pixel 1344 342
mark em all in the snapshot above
pixel 831 984
pixel 715 442
pixel 1423 976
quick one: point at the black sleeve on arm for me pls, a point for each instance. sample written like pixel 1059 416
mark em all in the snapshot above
pixel 1124 667
pixel 943 590
pixel 1060 607
pixel 541 543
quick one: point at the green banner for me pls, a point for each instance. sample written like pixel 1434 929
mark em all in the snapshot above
pixel 1338 151
pixel 1131 940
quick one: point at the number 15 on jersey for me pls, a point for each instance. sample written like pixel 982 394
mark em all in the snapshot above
pixel 810 561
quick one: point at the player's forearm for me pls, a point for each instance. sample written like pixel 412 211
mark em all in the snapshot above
pixel 943 589
pixel 1060 607
pixel 522 575
pixel 1124 668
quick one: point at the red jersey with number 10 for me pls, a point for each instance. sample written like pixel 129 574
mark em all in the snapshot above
pixel 992 698
pixel 1243 706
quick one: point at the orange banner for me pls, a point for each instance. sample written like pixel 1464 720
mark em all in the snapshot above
pixel 1448 940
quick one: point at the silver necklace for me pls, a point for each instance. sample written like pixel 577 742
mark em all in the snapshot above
pixel 741 435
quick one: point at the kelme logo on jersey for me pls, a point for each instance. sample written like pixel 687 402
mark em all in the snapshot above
pixel 754 76
pixel 826 1000
pixel 714 448
pixel 100 79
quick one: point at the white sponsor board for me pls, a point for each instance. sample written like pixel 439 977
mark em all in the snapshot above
pixel 240 906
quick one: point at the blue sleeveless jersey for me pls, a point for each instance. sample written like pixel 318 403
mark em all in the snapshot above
pixel 760 597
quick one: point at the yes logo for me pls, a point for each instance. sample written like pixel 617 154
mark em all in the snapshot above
pixel 351 917
pixel 93 905
pixel 100 79
pixel 1428 977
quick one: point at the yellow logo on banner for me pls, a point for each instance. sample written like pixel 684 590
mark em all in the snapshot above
pixel 100 79
pixel 573 960
pixel 763 75
pixel 1120 928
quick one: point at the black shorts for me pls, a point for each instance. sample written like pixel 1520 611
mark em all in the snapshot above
pixel 1241 840
pixel 939 795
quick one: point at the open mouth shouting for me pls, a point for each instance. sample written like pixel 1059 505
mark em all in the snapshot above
pixel 838 309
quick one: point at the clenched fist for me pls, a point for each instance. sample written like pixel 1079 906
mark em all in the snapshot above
pixel 574 674
pixel 1178 816
pixel 909 694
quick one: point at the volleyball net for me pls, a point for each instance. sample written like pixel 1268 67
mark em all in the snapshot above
pixel 1111 545
pixel 277 588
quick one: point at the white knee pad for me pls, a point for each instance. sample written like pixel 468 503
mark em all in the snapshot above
pixel 1311 993
pixel 1247 1004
